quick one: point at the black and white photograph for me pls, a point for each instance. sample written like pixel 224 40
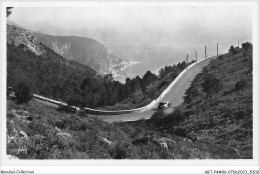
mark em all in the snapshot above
pixel 122 81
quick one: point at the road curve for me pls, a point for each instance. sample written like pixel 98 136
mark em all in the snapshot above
pixel 175 95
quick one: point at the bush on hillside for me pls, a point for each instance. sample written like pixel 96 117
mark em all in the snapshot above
pixel 246 45
pixel 123 151
pixel 160 118
pixel 23 92
pixel 190 94
pixel 157 116
pixel 231 49
pixel 163 83
pixel 178 115
pixel 173 118
pixel 240 85
pixel 211 85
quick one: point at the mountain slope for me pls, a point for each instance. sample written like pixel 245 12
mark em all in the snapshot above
pixel 86 51
pixel 51 75
pixel 226 118
pixel 47 72
pixel 216 117
pixel 83 50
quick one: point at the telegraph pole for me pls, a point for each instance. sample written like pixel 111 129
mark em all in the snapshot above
pixel 217 48
pixel 187 59
pixel 196 57
pixel 205 51
pixel 238 44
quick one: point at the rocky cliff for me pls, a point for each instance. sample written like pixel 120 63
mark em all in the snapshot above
pixel 19 36
pixel 85 51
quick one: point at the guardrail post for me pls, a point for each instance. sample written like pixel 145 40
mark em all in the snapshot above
pixel 196 57
pixel 217 48
pixel 205 51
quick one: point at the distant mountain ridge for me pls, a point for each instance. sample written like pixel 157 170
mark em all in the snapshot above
pixel 82 50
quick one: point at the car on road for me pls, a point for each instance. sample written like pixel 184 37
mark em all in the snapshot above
pixel 163 105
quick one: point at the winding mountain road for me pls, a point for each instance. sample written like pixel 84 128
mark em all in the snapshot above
pixel 175 95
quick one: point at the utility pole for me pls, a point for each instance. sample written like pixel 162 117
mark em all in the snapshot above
pixel 196 57
pixel 187 59
pixel 205 51
pixel 217 48
pixel 238 44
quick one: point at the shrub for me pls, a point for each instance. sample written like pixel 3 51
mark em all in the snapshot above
pixel 172 119
pixel 246 45
pixel 75 101
pixel 240 85
pixel 178 115
pixel 232 49
pixel 211 85
pixel 180 132
pixel 123 151
pixel 164 83
pixel 120 152
pixel 221 57
pixel 190 94
pixel 36 127
pixel 23 92
pixel 157 116
pixel 239 114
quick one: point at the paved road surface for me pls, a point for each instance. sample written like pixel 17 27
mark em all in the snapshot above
pixel 175 96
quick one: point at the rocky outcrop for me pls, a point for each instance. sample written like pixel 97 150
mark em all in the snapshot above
pixel 108 142
pixel 19 36
pixel 85 51
pixel 64 135
pixel 63 50
pixel 22 115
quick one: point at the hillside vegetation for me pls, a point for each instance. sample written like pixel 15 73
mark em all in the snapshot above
pixel 139 92
pixel 38 131
pixel 217 112
pixel 51 75
pixel 226 117
pixel 215 125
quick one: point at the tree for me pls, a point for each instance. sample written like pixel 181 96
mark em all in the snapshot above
pixel 232 49
pixel 182 65
pixel 108 77
pixel 128 89
pixel 8 11
pixel 246 45
pixel 120 90
pixel 23 92
pixel 136 84
pixel 211 85
pixel 149 78
pixel 76 100
pixel 173 70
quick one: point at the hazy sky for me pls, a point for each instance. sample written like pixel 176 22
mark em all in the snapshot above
pixel 161 25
